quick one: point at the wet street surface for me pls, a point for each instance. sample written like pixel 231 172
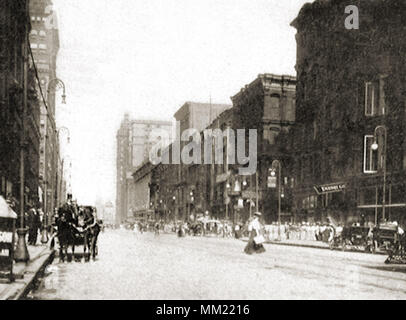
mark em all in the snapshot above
pixel 145 266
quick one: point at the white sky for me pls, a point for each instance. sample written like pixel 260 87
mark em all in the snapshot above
pixel 148 57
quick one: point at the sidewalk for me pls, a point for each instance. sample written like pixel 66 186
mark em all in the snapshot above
pixel 25 274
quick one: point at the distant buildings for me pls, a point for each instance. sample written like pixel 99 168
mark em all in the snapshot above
pixel 335 135
pixel 184 191
pixel 135 139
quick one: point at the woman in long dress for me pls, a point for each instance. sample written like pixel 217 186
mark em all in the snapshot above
pixel 254 228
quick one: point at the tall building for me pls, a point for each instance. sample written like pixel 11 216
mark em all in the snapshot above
pixel 135 139
pixel 350 95
pixel 44 39
pixel 14 29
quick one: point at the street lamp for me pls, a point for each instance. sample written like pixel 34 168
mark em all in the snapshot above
pixel 274 163
pixel 375 147
pixel 60 82
pixel 66 129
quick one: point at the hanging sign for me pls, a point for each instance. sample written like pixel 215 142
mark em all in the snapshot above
pixel 329 188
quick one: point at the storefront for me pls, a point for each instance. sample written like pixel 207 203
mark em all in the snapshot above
pixel 325 203
pixel 370 201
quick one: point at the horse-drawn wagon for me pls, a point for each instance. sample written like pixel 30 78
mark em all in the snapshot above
pixel 75 226
pixel 352 238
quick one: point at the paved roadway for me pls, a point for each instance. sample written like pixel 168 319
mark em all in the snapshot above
pixel 144 266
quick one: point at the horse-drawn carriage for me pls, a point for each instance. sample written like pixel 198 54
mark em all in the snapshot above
pixel 352 237
pixel 76 226
pixel 383 237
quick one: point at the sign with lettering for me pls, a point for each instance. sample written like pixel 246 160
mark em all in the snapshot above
pixel 271 182
pixel 6 236
pixel 329 188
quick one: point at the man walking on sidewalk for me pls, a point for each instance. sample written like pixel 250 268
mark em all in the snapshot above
pixel 33 225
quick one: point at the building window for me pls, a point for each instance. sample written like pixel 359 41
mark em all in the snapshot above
pixel 42 46
pixel 34 32
pixel 34 46
pixel 375 97
pixel 370 156
pixel 42 33
pixel 370 99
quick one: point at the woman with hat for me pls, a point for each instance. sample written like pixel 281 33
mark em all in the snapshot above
pixel 255 242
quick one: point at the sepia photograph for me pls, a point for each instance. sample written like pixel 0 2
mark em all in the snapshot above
pixel 201 155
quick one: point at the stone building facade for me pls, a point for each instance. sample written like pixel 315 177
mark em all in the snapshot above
pixel 14 28
pixel 44 42
pixel 135 140
pixel 351 86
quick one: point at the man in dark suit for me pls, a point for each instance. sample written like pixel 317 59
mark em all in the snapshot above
pixel 34 224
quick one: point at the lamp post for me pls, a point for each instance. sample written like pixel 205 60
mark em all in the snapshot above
pixel 57 81
pixel 228 186
pixel 174 209
pixel 190 205
pixel 375 147
pixel 63 129
pixel 21 252
pixel 274 163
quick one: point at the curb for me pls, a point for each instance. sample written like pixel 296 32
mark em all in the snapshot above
pixel 32 278
pixel 20 288
pixel 297 245
pixel 318 247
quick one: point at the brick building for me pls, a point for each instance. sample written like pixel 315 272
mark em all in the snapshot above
pixel 14 29
pixel 351 86
pixel 44 41
pixel 183 191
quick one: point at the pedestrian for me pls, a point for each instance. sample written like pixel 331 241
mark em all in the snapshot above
pixel 156 227
pixel 256 239
pixel 237 231
pixel 34 224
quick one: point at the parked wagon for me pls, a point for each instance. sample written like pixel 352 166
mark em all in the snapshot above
pixel 352 238
pixel 385 237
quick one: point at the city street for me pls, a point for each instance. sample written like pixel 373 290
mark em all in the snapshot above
pixel 144 266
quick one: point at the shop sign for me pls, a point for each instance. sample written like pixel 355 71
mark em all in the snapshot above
pixel 271 182
pixel 246 194
pixel 329 188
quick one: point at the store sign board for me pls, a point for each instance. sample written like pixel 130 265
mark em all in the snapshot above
pixel 329 188
pixel 271 182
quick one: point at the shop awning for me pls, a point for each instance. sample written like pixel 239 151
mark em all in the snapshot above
pixel 5 210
